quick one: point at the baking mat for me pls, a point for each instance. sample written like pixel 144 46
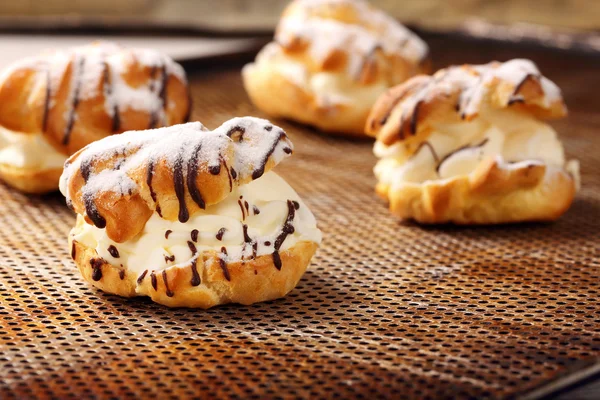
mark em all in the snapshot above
pixel 387 309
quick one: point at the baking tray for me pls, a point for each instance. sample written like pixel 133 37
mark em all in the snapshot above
pixel 387 309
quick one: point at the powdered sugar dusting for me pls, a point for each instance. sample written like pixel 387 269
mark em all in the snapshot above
pixel 102 66
pixel 257 142
pixel 474 83
pixel 374 30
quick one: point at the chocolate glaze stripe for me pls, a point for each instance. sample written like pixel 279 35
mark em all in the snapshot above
pixel 220 233
pixel 223 264
pixel 467 146
pixel 179 184
pixel 92 211
pixel 46 101
pixel 142 276
pixel 258 172
pixel 108 92
pixel 153 280
pixel 228 173
pixel 195 281
pixel 286 230
pixel 96 264
pixel 162 93
pixel 431 149
pixel 192 175
pixel 149 177
pixel 242 209
pixel 236 129
pixel 76 82
pixel 113 251
pixel 194 235
pixel 415 117
pixel 168 291
pixel 73 249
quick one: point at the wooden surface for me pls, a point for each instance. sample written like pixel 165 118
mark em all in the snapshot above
pixel 387 310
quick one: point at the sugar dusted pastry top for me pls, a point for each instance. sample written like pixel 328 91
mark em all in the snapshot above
pixel 460 93
pixel 346 35
pixel 73 97
pixel 119 182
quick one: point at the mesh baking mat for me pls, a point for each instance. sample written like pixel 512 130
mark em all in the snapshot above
pixel 386 310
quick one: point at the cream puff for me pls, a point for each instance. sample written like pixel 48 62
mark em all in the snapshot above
pixel 329 62
pixel 56 103
pixel 470 145
pixel 189 217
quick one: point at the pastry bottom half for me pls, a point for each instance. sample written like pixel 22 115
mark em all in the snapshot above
pixel 207 283
pixel 488 195
pixel 30 180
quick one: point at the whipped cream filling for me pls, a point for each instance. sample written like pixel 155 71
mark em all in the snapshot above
pixel 24 150
pixel 328 88
pixel 457 149
pixel 250 222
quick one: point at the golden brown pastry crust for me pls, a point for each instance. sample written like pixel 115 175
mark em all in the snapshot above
pixel 489 195
pixel 75 97
pixel 249 281
pixel 305 44
pixel 157 175
pixel 30 180
pixel 407 112
pixel 495 192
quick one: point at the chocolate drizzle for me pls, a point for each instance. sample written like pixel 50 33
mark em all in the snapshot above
pixel 286 229
pixel 467 146
pixel 195 281
pixel 236 133
pixel 153 280
pixel 108 91
pixel 184 214
pixel 167 233
pixel 255 210
pixel 162 93
pixel 149 176
pixel 194 235
pixel 431 149
pixel 258 172
pixel 97 264
pixel 142 276
pixel 242 208
pixel 46 102
pixel 92 211
pixel 170 258
pixel 223 264
pixel 168 291
pixel 113 251
pixel 76 81
pixel 122 274
pixel 73 249
pixel 415 117
pixel 192 174
pixel 220 233
pixel 523 81
pixel 228 174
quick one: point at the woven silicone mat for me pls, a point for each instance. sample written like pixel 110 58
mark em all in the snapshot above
pixel 387 309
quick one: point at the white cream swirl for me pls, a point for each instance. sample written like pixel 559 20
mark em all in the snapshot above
pixel 457 149
pixel 23 150
pixel 261 205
